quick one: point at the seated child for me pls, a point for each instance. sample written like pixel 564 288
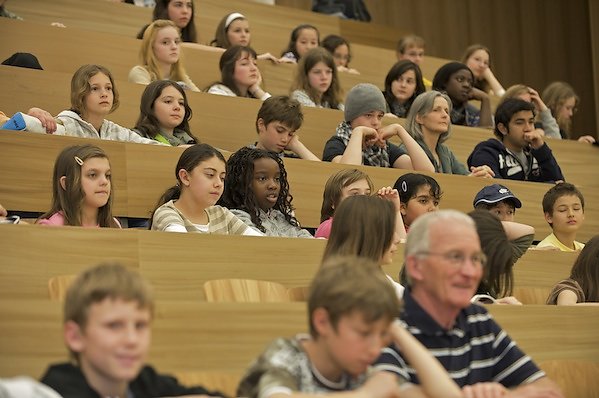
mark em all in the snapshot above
pixel 351 309
pixel 190 205
pixel 107 330
pixel 501 202
pixel 418 194
pixel 341 185
pixel 93 97
pixel 519 151
pixel 412 48
pixel 362 140
pixel 403 84
pixel 257 192
pixel 316 82
pixel 563 206
pixel 278 120
pixel 582 287
pixel 81 189
pixel 303 38
pixel 341 51
pixel 239 73
pixel 160 56
pixel 457 81
pixel 164 114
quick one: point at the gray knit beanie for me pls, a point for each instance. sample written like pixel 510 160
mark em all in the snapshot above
pixel 363 98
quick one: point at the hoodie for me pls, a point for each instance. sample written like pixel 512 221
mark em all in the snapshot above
pixel 542 166
pixel 77 127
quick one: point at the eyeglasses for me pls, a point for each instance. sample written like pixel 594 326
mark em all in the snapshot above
pixel 458 259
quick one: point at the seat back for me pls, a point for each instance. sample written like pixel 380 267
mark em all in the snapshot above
pixel 576 378
pixel 244 291
pixel 531 295
pixel 58 285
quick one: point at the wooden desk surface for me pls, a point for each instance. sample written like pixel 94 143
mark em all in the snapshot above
pixel 227 337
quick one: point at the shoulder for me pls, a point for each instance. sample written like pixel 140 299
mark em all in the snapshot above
pixel 54 219
pixel 324 229
pixel 302 97
pixel 67 380
pixel 221 89
pixel 165 215
pixel 137 73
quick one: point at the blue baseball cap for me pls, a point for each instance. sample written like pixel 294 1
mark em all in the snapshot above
pixel 496 193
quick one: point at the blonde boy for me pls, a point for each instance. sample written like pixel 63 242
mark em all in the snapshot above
pixel 107 318
pixel 563 206
pixel 351 310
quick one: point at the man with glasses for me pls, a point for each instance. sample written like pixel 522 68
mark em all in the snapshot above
pixel 444 264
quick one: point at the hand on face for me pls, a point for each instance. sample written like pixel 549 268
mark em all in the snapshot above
pixel 370 136
pixel 390 194
pixel 477 94
pixel 534 139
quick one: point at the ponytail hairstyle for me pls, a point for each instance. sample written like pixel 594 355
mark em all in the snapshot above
pixel 189 160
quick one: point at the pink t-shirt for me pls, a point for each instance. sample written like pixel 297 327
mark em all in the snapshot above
pixel 324 229
pixel 57 219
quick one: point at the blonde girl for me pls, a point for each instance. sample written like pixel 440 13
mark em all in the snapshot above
pixel 316 81
pixel 160 56
pixel 190 205
pixel 81 189
pixel 339 186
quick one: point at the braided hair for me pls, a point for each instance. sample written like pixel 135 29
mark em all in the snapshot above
pixel 238 192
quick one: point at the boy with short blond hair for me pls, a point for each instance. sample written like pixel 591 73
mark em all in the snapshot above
pixel 278 120
pixel 563 206
pixel 107 317
pixel 351 310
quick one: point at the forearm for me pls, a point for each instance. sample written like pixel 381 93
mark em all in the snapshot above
pixel 400 228
pixel 515 230
pixel 420 161
pixel 353 151
pixel 550 126
pixel 486 116
pixel 300 150
pixel 497 88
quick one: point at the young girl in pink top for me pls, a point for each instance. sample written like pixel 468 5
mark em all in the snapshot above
pixel 81 189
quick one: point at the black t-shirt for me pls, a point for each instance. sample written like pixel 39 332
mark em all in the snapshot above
pixel 336 147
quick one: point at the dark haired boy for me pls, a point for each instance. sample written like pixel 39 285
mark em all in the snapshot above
pixel 278 120
pixel 519 152
pixel 563 206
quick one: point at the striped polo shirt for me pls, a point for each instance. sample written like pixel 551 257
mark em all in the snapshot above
pixel 475 350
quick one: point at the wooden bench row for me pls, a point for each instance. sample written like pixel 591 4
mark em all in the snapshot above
pixel 142 173
pixel 178 265
pixel 227 337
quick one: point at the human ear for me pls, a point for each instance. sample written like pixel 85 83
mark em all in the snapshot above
pixel 63 182
pixel 403 208
pixel 321 321
pixel 549 217
pixel 418 118
pixel 260 124
pixel 73 336
pixel 184 177
pixel 502 129
pixel 414 268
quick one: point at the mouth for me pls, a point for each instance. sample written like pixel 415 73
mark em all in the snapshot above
pixel 104 103
pixel 102 193
pixel 273 197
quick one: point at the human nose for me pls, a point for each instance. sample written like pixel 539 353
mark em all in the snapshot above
pixel 186 9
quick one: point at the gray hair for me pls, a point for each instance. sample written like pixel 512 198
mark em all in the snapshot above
pixel 419 236
pixel 422 105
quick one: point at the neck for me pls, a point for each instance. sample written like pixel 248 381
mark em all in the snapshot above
pixel 165 70
pixel 443 316
pixel 567 238
pixel 321 360
pixel 260 146
pixel 89 216
pixel 243 91
pixel 512 147
pixel 104 386
pixel 94 120
pixel 430 139
pixel 194 211
pixel 166 131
